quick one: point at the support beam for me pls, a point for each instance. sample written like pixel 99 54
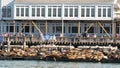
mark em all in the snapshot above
pixel 23 27
pixel 62 28
pixel 46 27
pixel 96 27
pixel 78 28
pixel 103 29
pixel 89 27
pixel 14 22
pixel 113 28
pixel 41 34
pixel 8 44
pixel 30 28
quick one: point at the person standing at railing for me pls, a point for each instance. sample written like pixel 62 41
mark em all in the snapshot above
pixel 21 36
pixel 95 37
pixel 6 36
pixel 30 36
pixel 84 34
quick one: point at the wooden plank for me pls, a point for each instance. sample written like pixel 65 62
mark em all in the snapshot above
pixel 46 27
pixel 41 34
pixel 79 28
pixel 89 27
pixel 103 29
pixel 14 22
pixel 23 27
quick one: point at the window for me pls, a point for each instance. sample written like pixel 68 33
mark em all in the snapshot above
pixel 74 29
pixel 6 11
pixel 92 12
pixel 104 12
pixel 88 12
pixel 76 12
pixel 22 11
pixel 99 12
pixel 43 12
pixel 26 11
pixel 54 12
pixel 11 28
pixel 108 28
pixel 17 11
pixel 58 29
pixel 17 28
pixel 33 11
pixel 82 12
pixel 26 28
pixel 118 28
pixel 59 12
pixel 66 12
pixel 71 12
pixel 91 30
pixel 109 12
pixel 49 12
pixel 38 12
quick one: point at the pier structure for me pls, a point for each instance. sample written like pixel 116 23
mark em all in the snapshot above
pixel 78 21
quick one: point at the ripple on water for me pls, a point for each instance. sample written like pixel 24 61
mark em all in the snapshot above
pixel 52 64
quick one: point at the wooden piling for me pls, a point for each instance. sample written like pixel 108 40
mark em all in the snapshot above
pixel 24 43
pixel 8 45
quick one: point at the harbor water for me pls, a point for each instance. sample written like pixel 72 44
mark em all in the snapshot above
pixel 52 64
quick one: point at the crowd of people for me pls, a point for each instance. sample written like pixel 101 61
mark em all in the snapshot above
pixel 20 36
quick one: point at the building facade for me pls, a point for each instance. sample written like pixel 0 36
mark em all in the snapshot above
pixel 67 17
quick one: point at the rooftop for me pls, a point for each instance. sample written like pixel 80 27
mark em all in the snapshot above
pixel 66 1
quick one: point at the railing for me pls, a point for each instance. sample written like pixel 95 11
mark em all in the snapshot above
pixel 67 39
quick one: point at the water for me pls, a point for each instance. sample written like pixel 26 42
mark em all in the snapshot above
pixel 52 64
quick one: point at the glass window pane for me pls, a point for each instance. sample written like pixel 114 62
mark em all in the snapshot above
pixel 66 12
pixel 27 12
pixel 76 12
pixel 91 30
pixel 17 11
pixel 17 28
pixel 54 12
pixel 4 12
pixel 109 12
pixel 59 12
pixel 99 12
pixel 43 12
pixel 104 12
pixel 38 12
pixel 26 28
pixel 107 29
pixel 58 29
pixel 22 11
pixel 32 28
pixel 8 11
pixel 82 12
pixel 33 11
pixel 71 12
pixel 74 29
pixel 88 12
pixel 11 28
pixel 93 12
pixel 49 12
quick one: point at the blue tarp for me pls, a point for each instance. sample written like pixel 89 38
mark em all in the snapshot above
pixel 47 37
pixel 1 39
pixel 50 37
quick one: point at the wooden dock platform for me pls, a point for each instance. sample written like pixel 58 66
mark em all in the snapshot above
pixel 76 41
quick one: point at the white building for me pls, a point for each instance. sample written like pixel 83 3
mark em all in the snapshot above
pixel 69 17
